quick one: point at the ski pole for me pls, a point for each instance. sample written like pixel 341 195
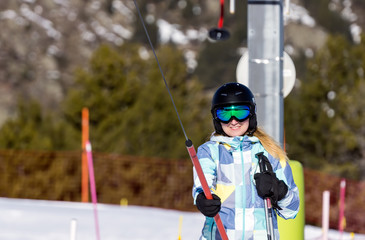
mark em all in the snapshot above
pixel 267 203
pixel 188 142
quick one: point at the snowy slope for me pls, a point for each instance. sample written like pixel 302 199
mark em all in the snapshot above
pixel 23 219
pixel 49 220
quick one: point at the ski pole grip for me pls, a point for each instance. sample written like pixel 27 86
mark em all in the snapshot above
pixel 261 162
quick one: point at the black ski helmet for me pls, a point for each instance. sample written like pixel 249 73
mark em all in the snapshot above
pixel 232 94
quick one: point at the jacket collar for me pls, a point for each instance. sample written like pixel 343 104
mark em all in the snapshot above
pixel 234 143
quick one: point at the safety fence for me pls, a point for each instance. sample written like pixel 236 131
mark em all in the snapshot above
pixel 316 183
pixel 156 182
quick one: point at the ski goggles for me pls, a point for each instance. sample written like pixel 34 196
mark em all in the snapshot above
pixel 225 114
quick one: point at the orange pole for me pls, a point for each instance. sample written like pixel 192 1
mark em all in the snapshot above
pixel 84 167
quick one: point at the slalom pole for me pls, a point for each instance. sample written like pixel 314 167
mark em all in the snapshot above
pixel 188 142
pixel 325 214
pixel 84 168
pixel 93 188
pixel 341 217
pixel 73 227
pixel 267 203
pixel 180 227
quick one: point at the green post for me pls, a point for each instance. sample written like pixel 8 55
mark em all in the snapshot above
pixel 294 228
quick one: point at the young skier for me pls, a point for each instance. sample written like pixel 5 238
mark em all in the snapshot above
pixel 230 166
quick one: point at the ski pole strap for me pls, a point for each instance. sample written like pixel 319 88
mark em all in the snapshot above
pixel 192 153
pixel 264 163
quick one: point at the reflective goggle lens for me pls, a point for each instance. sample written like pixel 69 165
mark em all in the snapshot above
pixel 240 112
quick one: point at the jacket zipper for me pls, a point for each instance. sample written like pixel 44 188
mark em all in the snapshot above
pixel 243 192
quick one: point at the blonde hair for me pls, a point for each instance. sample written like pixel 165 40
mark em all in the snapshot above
pixel 270 145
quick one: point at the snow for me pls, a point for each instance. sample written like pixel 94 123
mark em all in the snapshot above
pixel 8 14
pixel 171 32
pixel 24 219
pixel 299 14
pixel 123 9
pixel 42 22
pixel 356 32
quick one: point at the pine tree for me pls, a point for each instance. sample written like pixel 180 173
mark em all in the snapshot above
pixel 35 129
pixel 130 109
pixel 324 117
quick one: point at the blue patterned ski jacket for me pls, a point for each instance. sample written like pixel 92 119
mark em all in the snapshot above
pixel 229 165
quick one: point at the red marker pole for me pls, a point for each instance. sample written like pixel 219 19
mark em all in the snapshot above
pixel 203 181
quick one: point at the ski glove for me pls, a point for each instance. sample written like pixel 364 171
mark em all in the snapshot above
pixel 209 207
pixel 269 186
